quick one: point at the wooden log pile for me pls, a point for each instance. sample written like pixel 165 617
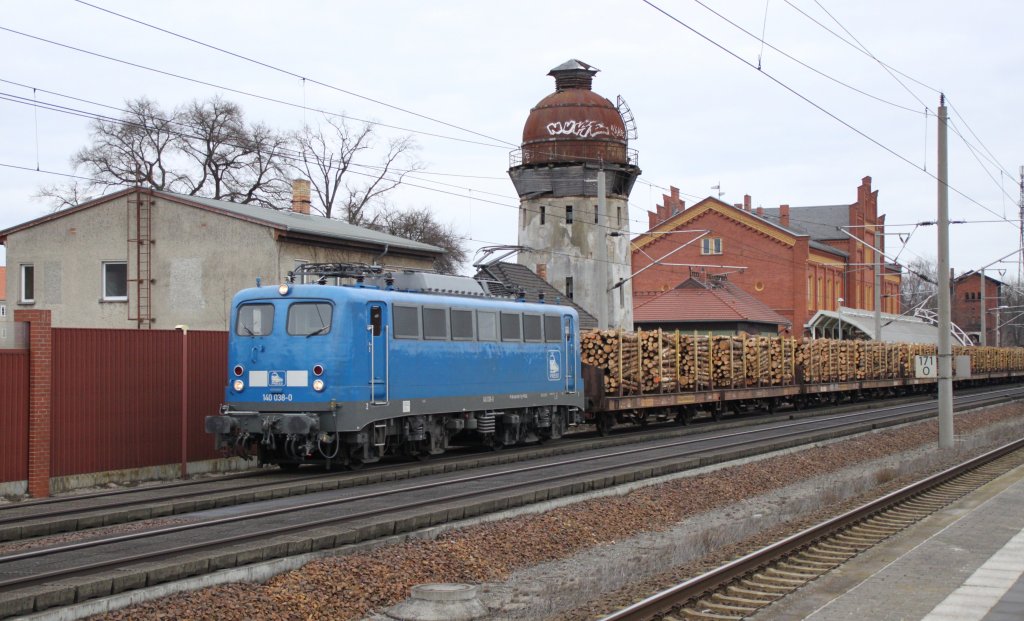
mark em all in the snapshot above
pixel 657 361
pixel 660 361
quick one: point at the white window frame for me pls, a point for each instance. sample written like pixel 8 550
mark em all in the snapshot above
pixel 711 245
pixel 22 298
pixel 114 298
pixel 3 310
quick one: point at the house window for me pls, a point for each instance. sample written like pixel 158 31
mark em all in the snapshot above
pixel 711 245
pixel 3 310
pixel 568 214
pixel 115 281
pixel 28 284
pixel 568 287
pixel 543 213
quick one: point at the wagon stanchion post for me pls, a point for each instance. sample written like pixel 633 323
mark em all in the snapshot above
pixel 184 399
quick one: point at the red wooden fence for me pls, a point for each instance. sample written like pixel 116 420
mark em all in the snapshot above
pixel 14 414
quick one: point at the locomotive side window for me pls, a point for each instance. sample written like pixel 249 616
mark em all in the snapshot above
pixel 255 320
pixel 487 325
pixel 552 328
pixel 375 320
pixel 435 324
pixel 532 329
pixel 309 318
pixel 462 325
pixel 407 322
pixel 511 327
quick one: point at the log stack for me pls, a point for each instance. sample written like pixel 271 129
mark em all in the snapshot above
pixel 659 361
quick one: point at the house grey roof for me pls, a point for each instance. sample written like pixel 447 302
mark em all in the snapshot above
pixel 306 223
pixel 288 221
pixel 820 222
pixel 513 277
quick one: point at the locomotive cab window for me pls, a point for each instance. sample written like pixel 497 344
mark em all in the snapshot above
pixel 511 327
pixel 407 322
pixel 435 324
pixel 462 325
pixel 309 318
pixel 255 320
pixel 532 329
pixel 552 328
pixel 487 325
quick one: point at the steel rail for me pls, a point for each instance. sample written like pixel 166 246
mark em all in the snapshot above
pixel 164 500
pixel 264 533
pixel 665 601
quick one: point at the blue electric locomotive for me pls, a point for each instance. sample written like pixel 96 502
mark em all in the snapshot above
pixel 402 363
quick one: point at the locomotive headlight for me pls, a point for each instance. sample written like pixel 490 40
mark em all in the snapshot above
pixel 283 289
pixel 238 385
pixel 318 385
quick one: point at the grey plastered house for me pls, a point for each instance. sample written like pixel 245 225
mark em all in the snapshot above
pixel 141 258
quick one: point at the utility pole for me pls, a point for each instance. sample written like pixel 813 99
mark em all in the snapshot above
pixel 1020 257
pixel 983 341
pixel 945 345
pixel 878 283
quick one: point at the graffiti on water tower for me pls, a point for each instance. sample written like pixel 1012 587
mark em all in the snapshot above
pixel 584 129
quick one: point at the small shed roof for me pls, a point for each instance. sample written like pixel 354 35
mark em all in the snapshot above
pixel 696 301
pixel 521 278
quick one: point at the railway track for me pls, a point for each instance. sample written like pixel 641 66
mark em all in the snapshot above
pixel 34 519
pixel 63 574
pixel 746 585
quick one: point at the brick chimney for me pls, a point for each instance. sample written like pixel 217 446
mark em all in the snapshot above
pixel 746 202
pixel 784 215
pixel 760 210
pixel 300 196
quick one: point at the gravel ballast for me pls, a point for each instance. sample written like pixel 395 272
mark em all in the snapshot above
pixel 576 561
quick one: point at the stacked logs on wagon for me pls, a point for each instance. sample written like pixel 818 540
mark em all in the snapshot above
pixel 659 361
pixel 662 361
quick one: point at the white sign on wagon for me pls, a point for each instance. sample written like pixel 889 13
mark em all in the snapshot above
pixel 928 367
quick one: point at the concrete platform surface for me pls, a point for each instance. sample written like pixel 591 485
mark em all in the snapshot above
pixel 963 563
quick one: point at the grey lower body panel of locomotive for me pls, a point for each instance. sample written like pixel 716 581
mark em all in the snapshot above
pixel 351 432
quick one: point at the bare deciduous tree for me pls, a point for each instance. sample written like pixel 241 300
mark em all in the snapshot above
pixel 420 225
pixel 340 182
pixel 917 286
pixel 202 149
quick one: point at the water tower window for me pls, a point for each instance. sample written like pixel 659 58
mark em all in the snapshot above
pixel 597 214
pixel 568 287
pixel 619 215
pixel 568 214
pixel 543 213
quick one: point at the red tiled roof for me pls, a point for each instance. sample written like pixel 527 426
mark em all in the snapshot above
pixel 3 283
pixel 694 301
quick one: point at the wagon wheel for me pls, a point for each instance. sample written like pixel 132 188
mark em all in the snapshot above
pixel 604 424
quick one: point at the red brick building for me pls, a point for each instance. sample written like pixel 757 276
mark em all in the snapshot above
pixel 795 260
pixel 965 305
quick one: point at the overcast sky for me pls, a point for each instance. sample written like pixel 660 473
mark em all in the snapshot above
pixel 704 116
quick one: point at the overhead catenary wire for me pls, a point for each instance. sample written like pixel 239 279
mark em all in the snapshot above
pixel 812 103
pixel 293 74
pixel 243 92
